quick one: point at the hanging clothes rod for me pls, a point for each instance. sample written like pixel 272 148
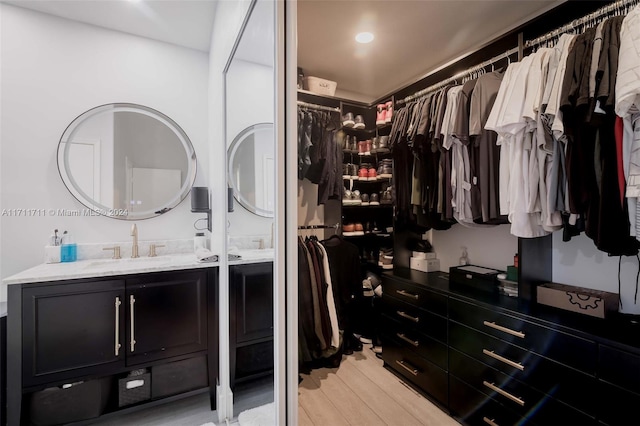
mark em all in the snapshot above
pixel 318 107
pixel 620 7
pixel 460 75
pixel 336 226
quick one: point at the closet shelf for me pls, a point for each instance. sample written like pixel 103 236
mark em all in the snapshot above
pixel 355 206
pixel 379 179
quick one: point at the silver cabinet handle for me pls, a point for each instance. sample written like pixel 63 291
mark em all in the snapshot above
pixel 118 345
pixel 407 294
pixel 500 358
pixel 132 301
pixel 490 422
pixel 409 317
pixel 495 326
pixel 407 367
pixel 503 393
pixel 406 339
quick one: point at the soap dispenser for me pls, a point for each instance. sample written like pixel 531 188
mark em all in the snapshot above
pixel 69 250
pixel 464 259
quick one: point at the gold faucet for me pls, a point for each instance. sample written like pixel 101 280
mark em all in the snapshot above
pixel 134 248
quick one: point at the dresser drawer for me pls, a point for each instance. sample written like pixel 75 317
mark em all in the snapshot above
pixel 415 318
pixel 415 295
pixel 619 367
pixel 617 406
pixel 394 333
pixel 513 394
pixel 475 408
pixel 564 348
pixel 564 383
pixel 426 375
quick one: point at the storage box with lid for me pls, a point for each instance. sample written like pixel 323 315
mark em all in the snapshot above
pixel 320 86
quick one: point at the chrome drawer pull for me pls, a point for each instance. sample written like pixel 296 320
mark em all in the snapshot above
pixel 490 422
pixel 503 393
pixel 406 367
pixel 519 334
pixel 507 361
pixel 118 345
pixel 406 339
pixel 409 317
pixel 407 294
pixel 132 301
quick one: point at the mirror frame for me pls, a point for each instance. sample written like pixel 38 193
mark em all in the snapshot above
pixel 231 152
pixel 73 187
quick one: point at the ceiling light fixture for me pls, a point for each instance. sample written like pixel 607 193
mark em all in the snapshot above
pixel 365 37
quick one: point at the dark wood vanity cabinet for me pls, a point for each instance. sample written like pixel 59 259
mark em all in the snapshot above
pixel 167 316
pixel 102 329
pixel 251 321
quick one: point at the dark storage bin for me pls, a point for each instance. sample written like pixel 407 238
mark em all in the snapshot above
pixel 84 401
pixel 134 389
pixel 178 377
pixel 474 277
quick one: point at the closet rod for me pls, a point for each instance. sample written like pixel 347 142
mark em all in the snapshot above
pixel 619 7
pixel 336 226
pixel 318 107
pixel 459 75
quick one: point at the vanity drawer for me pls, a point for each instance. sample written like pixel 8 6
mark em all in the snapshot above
pixel 619 367
pixel 617 406
pixel 415 318
pixel 564 348
pixel 394 333
pixel 475 408
pixel 415 295
pixel 564 383
pixel 513 394
pixel 426 375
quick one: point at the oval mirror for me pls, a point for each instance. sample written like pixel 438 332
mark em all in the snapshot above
pixel 126 161
pixel 252 168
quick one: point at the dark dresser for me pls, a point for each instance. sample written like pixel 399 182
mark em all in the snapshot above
pixel 493 360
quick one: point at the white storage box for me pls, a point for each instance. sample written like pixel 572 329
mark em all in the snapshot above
pixel 320 86
pixel 425 265
pixel 423 255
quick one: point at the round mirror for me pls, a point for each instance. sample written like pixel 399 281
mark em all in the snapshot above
pixel 126 161
pixel 252 169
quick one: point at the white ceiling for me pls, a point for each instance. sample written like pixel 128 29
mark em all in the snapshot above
pixel 412 38
pixel 186 23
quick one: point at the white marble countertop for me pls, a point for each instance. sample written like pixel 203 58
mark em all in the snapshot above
pixel 109 267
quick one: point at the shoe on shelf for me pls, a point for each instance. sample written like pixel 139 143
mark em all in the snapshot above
pixel 367 147
pixel 381 114
pixel 374 200
pixel 355 198
pixel 385 258
pixel 383 145
pixel 359 229
pixel 372 174
pixel 365 199
pixel 358 122
pixel 375 229
pixel 346 198
pixel 389 112
pixel 346 172
pixel 348 229
pixel 362 147
pixel 374 145
pixel 353 170
pixel 347 120
pixel 363 173
pixel 385 172
pixel 386 197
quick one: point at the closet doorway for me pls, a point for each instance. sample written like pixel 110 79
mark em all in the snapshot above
pixel 342 83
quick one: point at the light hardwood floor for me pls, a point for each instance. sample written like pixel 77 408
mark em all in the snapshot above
pixel 362 392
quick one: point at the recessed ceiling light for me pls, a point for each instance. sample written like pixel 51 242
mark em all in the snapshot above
pixel 365 37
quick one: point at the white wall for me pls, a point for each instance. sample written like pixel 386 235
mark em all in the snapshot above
pixel 54 69
pixel 491 247
pixel 250 101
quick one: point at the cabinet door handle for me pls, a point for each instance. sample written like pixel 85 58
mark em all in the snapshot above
pixel 407 294
pixel 503 393
pixel 406 339
pixel 407 367
pixel 132 301
pixel 490 422
pixel 493 325
pixel 409 317
pixel 118 345
pixel 500 358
